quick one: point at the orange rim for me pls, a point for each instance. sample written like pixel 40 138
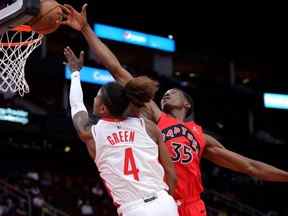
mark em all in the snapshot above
pixel 21 28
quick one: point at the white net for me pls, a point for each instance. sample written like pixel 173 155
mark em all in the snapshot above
pixel 15 48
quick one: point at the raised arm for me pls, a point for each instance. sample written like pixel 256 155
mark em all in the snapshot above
pixel 78 110
pixel 104 56
pixel 221 156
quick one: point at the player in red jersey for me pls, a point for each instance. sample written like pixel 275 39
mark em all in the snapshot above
pixel 185 140
pixel 186 143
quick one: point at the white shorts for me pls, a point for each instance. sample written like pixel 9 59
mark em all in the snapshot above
pixel 159 204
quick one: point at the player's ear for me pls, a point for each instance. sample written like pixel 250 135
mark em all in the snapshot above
pixel 104 110
pixel 187 105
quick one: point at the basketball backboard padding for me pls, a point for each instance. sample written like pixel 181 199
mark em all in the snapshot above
pixel 17 12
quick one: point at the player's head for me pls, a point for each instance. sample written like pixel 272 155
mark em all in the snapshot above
pixel 176 99
pixel 113 99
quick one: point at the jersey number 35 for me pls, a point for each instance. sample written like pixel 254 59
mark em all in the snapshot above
pixel 182 153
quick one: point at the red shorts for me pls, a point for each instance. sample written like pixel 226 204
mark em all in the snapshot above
pixel 191 208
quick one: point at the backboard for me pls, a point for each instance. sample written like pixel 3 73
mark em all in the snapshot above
pixel 17 12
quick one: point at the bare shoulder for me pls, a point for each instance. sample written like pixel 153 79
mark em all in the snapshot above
pixel 211 141
pixel 152 130
pixel 212 148
pixel 83 125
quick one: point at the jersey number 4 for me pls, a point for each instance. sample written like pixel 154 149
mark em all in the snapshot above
pixel 130 165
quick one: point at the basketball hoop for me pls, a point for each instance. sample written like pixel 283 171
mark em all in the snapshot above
pixel 15 47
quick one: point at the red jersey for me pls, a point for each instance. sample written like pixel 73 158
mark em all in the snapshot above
pixel 185 142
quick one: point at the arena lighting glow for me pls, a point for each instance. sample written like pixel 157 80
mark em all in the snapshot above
pixel 135 37
pixel 276 101
pixel 92 75
pixel 67 149
pixel 12 115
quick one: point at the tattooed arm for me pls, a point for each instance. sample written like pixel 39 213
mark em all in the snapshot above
pixel 78 110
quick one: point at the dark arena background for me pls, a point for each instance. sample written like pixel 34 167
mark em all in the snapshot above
pixel 227 60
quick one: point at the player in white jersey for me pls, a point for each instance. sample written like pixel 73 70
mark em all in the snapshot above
pixel 126 150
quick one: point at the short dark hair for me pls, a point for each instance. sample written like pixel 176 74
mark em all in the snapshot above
pixel 114 98
pixel 138 91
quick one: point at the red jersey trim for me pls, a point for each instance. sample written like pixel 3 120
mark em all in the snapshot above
pixel 113 119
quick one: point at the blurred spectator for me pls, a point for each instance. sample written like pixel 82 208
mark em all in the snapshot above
pixel 86 208
pixel 3 209
pixel 80 195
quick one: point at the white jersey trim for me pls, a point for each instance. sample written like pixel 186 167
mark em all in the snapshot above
pixel 93 131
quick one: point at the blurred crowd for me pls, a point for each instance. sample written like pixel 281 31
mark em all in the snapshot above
pixel 66 185
pixel 72 195
pixel 80 195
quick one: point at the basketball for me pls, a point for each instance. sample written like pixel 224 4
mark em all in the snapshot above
pixel 45 22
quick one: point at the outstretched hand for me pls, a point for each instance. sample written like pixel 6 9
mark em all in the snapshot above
pixel 73 18
pixel 74 63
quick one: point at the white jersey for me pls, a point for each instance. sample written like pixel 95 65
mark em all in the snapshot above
pixel 127 159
